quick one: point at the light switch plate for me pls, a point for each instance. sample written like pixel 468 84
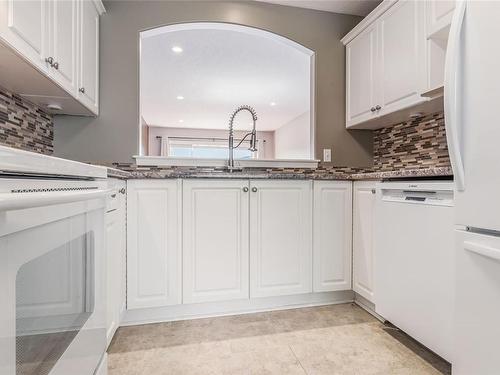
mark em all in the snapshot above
pixel 327 155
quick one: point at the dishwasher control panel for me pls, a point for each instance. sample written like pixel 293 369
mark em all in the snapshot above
pixel 428 193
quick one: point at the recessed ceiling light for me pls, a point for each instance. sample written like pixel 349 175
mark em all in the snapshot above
pixel 272 104
pixel 181 120
pixel 180 97
pixel 177 49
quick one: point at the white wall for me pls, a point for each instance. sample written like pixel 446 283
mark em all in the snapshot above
pixel 293 140
pixel 265 149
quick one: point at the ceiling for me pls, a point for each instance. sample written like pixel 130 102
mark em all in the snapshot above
pixel 354 7
pixel 219 70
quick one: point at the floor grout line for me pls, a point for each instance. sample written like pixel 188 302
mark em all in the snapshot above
pixel 298 360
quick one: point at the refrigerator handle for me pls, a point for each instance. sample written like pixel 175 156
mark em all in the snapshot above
pixel 484 250
pixel 451 94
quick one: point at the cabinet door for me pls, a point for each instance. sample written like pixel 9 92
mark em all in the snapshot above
pixel 363 226
pixel 402 56
pixel 115 257
pixel 153 251
pixel 280 238
pixel 215 240
pixel 88 81
pixel 63 43
pixel 332 234
pixel 23 25
pixel 439 14
pixel 361 60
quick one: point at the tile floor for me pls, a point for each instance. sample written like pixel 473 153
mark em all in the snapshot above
pixel 339 339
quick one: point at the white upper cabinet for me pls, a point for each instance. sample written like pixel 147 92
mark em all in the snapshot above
pixel 280 238
pixel 402 56
pixel 24 25
pixel 215 240
pixel 332 236
pixel 60 40
pixel 388 64
pixel 88 77
pixel 439 14
pixel 363 230
pixel 63 44
pixel 153 251
pixel 361 70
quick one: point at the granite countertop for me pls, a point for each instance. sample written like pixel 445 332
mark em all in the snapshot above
pixel 118 173
pixel 332 173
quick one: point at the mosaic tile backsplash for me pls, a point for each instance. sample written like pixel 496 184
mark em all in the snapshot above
pixel 24 125
pixel 415 144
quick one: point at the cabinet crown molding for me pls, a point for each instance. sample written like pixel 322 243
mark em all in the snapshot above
pixel 368 20
pixel 99 6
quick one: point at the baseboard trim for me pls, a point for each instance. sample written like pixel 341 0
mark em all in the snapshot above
pixel 237 307
pixel 368 306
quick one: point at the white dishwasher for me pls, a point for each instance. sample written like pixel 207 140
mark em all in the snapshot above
pixel 413 260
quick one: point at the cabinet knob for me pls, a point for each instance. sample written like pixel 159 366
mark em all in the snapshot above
pixel 378 108
pixel 56 65
pixel 254 189
pixel 82 90
pixel 245 189
pixel 372 109
pixel 373 191
pixel 50 61
pixel 122 191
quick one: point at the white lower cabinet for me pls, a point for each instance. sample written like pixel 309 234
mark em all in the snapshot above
pixel 363 233
pixel 215 240
pixel 102 369
pixel 153 253
pixel 280 237
pixel 332 236
pixel 115 256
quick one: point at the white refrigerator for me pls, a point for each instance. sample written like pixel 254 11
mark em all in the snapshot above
pixel 472 116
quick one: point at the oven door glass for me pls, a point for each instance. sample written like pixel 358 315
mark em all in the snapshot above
pixel 54 299
pixel 52 291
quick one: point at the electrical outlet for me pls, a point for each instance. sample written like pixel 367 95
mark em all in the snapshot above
pixel 327 155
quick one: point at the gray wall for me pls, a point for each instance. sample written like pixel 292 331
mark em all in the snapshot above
pixel 113 136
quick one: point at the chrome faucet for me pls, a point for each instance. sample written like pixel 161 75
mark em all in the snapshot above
pixel 252 134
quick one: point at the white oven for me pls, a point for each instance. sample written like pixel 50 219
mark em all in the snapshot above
pixel 52 276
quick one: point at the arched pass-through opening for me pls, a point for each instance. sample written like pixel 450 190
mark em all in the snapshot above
pixel 192 75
